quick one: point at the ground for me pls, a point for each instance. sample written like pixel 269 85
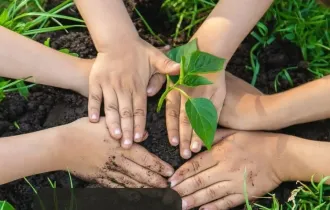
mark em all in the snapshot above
pixel 48 107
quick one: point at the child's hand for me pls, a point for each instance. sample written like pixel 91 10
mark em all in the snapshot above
pixel 121 76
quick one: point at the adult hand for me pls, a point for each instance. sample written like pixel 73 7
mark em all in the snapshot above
pixel 91 154
pixel 121 76
pixel 177 122
pixel 214 179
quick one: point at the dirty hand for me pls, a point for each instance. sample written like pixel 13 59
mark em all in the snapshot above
pixel 94 156
pixel 214 179
pixel 121 76
pixel 177 122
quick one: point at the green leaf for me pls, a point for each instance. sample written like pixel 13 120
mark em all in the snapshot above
pixel 203 118
pixel 202 62
pixel 195 80
pixel 4 205
pixel 2 95
pixel 182 69
pixel 185 50
pixel 47 42
pixel 22 89
pixel 174 78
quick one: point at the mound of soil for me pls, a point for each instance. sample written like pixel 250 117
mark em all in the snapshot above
pixel 48 107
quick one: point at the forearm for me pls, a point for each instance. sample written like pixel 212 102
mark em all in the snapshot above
pixel 306 103
pixel 228 24
pixel 29 154
pixel 21 57
pixel 108 22
pixel 303 158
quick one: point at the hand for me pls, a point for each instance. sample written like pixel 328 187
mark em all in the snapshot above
pixel 93 155
pixel 177 122
pixel 214 179
pixel 121 75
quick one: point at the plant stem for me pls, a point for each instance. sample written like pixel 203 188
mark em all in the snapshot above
pixel 162 98
pixel 182 92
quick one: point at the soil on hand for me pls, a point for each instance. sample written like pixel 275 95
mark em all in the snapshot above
pixel 48 107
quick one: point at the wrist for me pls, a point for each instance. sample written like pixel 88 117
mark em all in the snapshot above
pixel 117 42
pixel 301 159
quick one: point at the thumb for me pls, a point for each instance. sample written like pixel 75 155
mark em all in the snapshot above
pixel 222 134
pixel 164 65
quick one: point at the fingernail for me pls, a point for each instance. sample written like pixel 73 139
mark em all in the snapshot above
pixel 184 204
pixel 173 183
pixel 175 140
pixel 117 131
pixel 169 173
pixel 186 153
pixel 94 117
pixel 150 90
pixel 195 145
pixel 127 142
pixel 137 136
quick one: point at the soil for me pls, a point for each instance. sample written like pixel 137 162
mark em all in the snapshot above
pixel 48 107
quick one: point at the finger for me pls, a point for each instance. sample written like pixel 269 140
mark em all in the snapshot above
pixel 173 101
pixel 141 174
pixel 107 183
pixel 148 160
pixel 225 203
pixel 165 49
pixel 222 134
pixel 94 101
pixel 155 84
pixel 139 114
pixel 199 181
pixel 194 166
pixel 196 143
pixel 163 64
pixel 185 131
pixel 123 180
pixel 111 113
pixel 209 194
pixel 126 118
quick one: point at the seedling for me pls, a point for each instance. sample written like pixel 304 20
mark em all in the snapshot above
pixel 63 50
pixel 7 86
pixel 201 112
pixel 4 205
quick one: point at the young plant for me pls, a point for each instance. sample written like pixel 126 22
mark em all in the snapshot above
pixel 63 50
pixel 4 205
pixel 201 112
pixel 7 86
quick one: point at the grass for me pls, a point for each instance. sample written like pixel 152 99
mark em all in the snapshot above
pixel 28 17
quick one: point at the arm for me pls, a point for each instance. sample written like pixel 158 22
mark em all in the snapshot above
pixel 120 52
pixel 22 57
pixel 30 154
pixel 69 147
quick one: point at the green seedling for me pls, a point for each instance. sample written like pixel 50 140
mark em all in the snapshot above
pixel 64 50
pixel 4 205
pixel 7 86
pixel 264 38
pixel 30 23
pixel 16 125
pixel 201 112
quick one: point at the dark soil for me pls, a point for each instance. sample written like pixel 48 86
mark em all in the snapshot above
pixel 48 107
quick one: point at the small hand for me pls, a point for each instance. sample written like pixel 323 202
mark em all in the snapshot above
pixel 96 157
pixel 177 122
pixel 121 76
pixel 214 179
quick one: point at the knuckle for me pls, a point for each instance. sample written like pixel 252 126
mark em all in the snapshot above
pixel 229 203
pixel 139 112
pixel 96 97
pixel 145 158
pixel 172 113
pixel 111 107
pixel 211 193
pixel 126 113
pixel 195 165
pixel 185 120
pixel 166 63
pixel 198 182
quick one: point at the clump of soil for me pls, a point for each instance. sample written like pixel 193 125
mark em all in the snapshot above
pixel 48 107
